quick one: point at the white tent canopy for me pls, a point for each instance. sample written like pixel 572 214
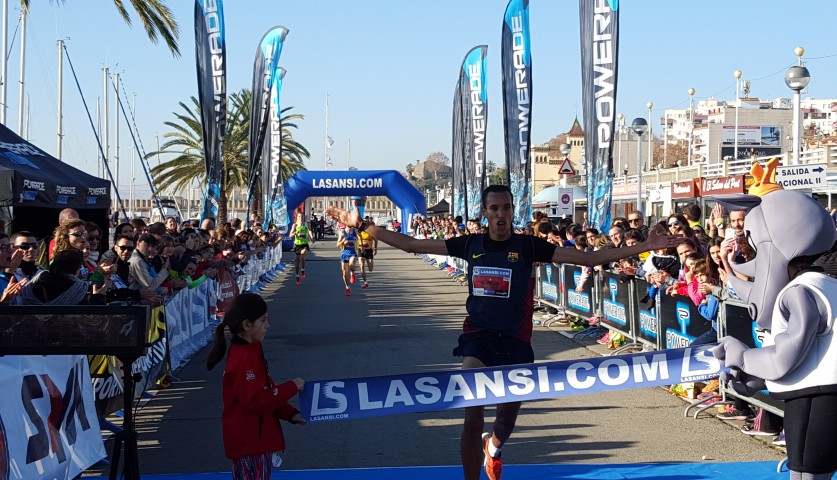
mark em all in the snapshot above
pixel 553 195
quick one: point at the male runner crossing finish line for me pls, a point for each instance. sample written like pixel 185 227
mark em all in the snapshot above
pixel 498 328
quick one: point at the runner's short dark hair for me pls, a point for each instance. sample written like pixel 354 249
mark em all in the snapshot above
pixel 495 189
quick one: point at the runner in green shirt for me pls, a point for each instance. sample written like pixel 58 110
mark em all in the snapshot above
pixel 302 237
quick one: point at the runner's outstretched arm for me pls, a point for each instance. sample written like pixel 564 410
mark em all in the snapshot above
pixel 397 240
pixel 607 255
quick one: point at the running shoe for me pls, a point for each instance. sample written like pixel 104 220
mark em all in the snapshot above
pixel 749 429
pixel 297 280
pixel 365 285
pixel 493 466
pixel 729 412
pixel 303 273
pixel 348 291
pixel 352 277
pixel 779 440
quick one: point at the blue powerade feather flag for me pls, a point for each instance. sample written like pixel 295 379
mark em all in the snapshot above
pixel 474 119
pixel 457 161
pixel 517 106
pixel 210 52
pixel 275 210
pixel 599 53
pixel 430 391
pixel 265 71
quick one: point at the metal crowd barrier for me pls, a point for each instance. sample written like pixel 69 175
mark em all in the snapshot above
pixel 672 322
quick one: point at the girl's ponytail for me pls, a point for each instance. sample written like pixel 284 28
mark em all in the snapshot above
pixel 219 348
pixel 247 306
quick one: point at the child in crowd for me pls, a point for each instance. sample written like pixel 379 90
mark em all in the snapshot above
pixel 253 403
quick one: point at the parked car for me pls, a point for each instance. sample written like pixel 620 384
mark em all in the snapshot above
pixel 169 210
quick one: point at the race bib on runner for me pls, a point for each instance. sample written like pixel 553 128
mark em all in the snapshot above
pixel 491 282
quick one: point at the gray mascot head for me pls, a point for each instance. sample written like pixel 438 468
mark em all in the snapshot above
pixel 782 225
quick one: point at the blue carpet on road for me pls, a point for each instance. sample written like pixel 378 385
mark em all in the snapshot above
pixel 633 471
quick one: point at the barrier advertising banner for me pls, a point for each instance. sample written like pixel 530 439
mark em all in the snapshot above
pixel 265 72
pixel 474 119
pixel 457 159
pixel 681 323
pixel 210 50
pixel 48 423
pixel 273 188
pixel 578 292
pixel 517 106
pixel 649 323
pixel 599 52
pixel 355 398
pixel 616 303
pixel 549 289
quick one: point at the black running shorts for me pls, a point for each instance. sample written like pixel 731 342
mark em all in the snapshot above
pixel 494 349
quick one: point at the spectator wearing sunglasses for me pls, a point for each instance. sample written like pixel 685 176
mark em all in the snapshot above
pixel 27 243
pixel 71 234
pixel 679 226
pixel 636 220
pixel 94 236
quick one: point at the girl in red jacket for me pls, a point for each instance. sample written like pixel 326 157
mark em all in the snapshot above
pixel 253 404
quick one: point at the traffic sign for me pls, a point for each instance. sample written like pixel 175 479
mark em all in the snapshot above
pixel 806 176
pixel 566 168
pixel 565 204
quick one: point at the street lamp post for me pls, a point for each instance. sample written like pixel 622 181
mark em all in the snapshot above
pixel 639 126
pixel 619 148
pixel 650 127
pixel 565 150
pixel 797 78
pixel 737 74
pixel 691 123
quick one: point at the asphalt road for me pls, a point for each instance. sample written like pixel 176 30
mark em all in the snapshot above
pixel 408 321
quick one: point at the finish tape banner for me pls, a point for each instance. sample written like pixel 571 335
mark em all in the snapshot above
pixel 354 398
pixel 48 424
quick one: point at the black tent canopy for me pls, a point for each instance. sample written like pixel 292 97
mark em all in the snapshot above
pixel 441 208
pixel 35 187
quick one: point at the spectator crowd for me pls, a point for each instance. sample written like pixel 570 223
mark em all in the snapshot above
pixel 134 262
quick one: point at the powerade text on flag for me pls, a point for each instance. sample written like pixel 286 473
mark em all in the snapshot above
pixel 273 190
pixel 599 52
pixel 474 119
pixel 210 51
pixel 265 72
pixel 457 162
pixel 355 398
pixel 517 106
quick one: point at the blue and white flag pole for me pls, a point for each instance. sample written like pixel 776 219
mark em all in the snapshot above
pixel 355 398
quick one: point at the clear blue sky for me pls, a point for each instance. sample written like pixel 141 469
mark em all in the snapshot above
pixel 390 67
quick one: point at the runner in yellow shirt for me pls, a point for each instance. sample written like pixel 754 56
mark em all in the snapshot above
pixel 367 249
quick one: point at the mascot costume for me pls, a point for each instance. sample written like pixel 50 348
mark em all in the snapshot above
pixel 797 304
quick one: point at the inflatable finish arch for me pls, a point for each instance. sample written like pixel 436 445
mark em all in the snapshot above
pixel 336 183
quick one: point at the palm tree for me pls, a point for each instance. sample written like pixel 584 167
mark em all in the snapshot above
pixel 155 17
pixel 185 143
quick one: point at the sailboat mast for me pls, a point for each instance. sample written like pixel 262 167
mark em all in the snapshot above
pixel 60 98
pixel 23 14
